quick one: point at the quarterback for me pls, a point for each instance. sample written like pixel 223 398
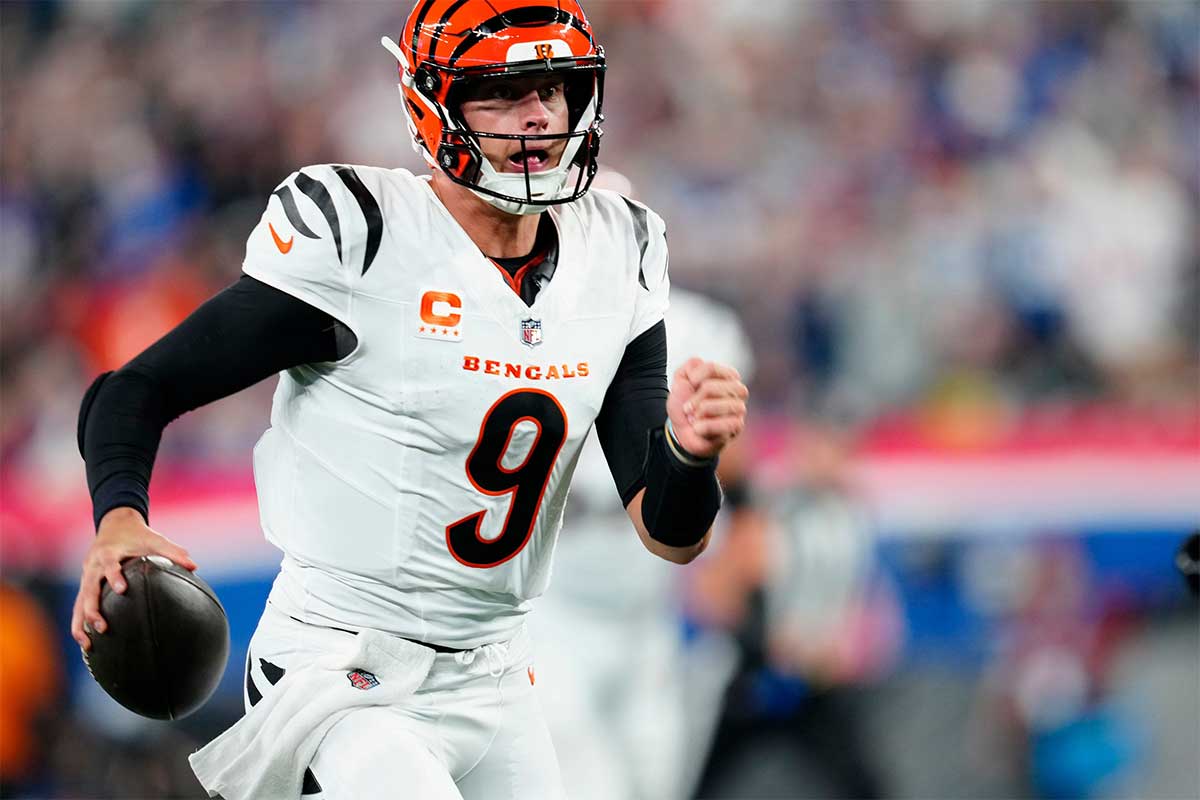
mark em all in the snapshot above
pixel 444 344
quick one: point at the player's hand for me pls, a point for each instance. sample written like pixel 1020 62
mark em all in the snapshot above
pixel 123 534
pixel 707 406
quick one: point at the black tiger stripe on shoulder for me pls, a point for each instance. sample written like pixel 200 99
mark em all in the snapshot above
pixel 284 193
pixel 316 191
pixel 370 209
pixel 641 231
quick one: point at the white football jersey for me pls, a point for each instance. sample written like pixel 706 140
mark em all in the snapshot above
pixel 600 559
pixel 417 485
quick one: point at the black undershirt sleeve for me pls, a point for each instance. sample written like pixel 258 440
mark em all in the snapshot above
pixel 244 334
pixel 635 404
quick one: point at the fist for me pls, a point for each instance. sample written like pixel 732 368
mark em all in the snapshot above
pixel 707 406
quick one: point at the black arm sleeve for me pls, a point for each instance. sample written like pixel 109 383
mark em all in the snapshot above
pixel 244 334
pixel 682 495
pixel 635 404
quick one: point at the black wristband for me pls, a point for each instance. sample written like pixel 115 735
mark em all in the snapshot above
pixel 681 499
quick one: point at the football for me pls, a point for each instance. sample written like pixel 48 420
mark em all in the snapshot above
pixel 167 640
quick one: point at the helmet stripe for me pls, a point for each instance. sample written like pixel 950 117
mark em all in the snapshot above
pixel 445 20
pixel 417 26
pixel 515 17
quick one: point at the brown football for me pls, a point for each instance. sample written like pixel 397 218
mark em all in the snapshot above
pixel 167 641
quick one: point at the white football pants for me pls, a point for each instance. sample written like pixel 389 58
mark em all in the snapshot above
pixel 472 731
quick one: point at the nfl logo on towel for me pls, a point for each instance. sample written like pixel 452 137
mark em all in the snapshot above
pixel 361 679
pixel 531 332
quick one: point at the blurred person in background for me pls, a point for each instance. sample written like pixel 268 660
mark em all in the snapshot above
pixel 388 303
pixel 819 624
pixel 612 672
pixel 1050 685
pixel 30 680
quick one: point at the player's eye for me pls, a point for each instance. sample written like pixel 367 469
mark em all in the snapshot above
pixel 501 91
pixel 551 91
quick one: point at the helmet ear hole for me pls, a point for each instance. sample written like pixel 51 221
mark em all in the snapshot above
pixel 458 160
pixel 427 81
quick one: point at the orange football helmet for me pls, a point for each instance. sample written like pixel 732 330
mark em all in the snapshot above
pixel 446 44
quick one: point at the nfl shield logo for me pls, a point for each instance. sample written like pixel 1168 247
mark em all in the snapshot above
pixel 361 679
pixel 531 332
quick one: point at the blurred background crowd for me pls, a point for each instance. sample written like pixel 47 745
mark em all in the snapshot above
pixel 962 238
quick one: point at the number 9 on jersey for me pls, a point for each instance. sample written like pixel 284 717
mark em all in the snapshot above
pixel 526 482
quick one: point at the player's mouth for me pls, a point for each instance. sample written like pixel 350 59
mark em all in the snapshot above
pixel 533 160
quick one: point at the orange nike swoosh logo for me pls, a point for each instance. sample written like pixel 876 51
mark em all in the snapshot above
pixel 284 247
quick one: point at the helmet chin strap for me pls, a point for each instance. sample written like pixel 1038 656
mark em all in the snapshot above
pixel 548 184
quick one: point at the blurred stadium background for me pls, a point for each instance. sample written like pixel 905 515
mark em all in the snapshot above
pixel 962 236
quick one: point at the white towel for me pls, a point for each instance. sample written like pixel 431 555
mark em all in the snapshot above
pixel 264 755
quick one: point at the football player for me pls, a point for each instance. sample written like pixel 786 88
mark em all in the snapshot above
pixel 622 714
pixel 444 344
